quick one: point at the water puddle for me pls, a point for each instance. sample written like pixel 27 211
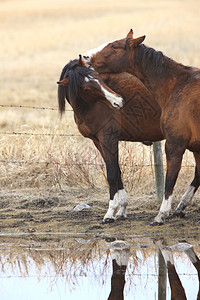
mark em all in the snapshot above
pixel 87 267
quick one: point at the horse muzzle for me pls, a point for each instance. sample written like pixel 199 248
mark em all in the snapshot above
pixel 118 102
pixel 87 59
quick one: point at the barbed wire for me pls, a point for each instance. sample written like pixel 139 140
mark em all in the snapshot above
pixel 31 107
pixel 30 133
pixel 37 134
pixel 23 162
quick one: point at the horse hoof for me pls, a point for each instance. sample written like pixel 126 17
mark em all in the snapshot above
pixel 120 218
pixel 154 223
pixel 108 220
pixel 179 214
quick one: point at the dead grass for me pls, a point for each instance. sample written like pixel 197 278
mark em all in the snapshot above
pixel 69 255
pixel 37 40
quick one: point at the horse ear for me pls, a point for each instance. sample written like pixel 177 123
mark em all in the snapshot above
pixel 64 81
pixel 81 61
pixel 138 41
pixel 130 34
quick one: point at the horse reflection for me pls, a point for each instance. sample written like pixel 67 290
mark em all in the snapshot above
pixel 177 289
pixel 120 252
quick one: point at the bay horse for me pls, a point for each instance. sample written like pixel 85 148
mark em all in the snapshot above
pixel 176 89
pixel 106 126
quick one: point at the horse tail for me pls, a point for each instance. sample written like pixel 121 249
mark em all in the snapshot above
pixel 71 90
pixel 61 98
pixel 62 92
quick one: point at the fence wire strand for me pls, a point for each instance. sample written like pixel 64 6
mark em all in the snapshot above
pixel 37 134
pixel 31 107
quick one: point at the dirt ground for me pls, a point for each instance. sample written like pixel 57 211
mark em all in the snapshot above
pixel 31 211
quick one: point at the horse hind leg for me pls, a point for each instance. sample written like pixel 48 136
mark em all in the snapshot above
pixel 174 159
pixel 187 197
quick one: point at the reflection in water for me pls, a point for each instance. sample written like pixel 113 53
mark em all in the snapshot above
pixel 177 289
pixel 120 252
pixel 162 277
pixel 91 268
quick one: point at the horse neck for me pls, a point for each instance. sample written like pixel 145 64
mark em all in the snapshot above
pixel 162 76
pixel 80 107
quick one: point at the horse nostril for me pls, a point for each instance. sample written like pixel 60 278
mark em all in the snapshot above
pixel 116 105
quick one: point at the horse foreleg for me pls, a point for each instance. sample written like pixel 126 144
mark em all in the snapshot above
pixel 187 197
pixel 117 207
pixel 118 197
pixel 113 179
pixel 174 160
pixel 123 202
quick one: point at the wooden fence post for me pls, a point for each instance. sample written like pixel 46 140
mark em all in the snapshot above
pixel 159 175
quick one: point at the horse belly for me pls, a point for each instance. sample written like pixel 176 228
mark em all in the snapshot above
pixel 141 119
pixel 139 130
pixel 194 146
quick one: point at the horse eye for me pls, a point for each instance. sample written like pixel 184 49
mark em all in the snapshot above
pixel 114 47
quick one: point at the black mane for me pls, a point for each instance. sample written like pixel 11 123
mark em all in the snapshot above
pixel 150 59
pixel 155 62
pixel 76 75
pixel 151 55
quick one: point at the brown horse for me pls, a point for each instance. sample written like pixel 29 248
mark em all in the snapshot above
pixel 106 126
pixel 176 88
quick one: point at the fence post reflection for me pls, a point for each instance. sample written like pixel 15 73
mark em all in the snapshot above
pixel 162 277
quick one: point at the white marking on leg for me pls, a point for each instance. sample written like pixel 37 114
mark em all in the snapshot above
pixel 123 200
pixel 113 206
pixel 164 210
pixel 187 197
pixel 119 202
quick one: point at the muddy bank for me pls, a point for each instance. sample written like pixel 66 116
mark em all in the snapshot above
pixel 33 211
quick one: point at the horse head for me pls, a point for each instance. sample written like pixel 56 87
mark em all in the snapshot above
pixel 78 81
pixel 114 56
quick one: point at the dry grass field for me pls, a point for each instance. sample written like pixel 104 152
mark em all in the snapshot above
pixel 37 39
